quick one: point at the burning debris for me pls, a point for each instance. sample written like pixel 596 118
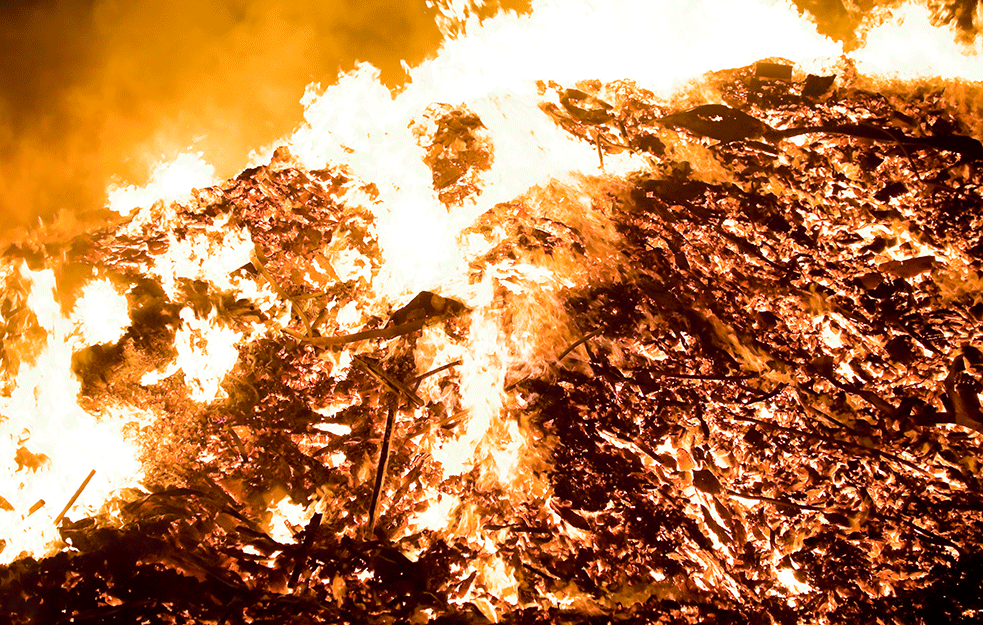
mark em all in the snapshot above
pixel 458 152
pixel 719 389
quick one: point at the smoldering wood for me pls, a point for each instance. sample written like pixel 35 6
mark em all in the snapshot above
pixel 625 437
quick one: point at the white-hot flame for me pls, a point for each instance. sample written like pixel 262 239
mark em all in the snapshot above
pixel 170 181
pixel 360 124
pixel 101 313
pixel 206 352
pixel 907 45
pixel 48 443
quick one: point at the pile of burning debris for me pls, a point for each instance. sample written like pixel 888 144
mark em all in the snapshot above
pixel 766 408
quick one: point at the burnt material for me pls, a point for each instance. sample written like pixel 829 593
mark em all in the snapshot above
pixel 752 394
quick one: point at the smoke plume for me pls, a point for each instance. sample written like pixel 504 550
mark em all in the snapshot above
pixel 100 90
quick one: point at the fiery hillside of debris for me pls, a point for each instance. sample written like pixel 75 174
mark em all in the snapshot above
pixel 771 414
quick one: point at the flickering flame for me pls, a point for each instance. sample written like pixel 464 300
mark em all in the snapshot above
pixel 206 351
pixel 169 182
pixel 889 48
pixel 789 580
pixel 48 443
pixel 361 125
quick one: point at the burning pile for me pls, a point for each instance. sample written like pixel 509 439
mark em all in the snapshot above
pixel 718 387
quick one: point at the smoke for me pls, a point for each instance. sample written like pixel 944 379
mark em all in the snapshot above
pixel 96 91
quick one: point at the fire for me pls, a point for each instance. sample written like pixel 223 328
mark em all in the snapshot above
pixel 468 430
pixel 937 52
pixel 169 182
pixel 50 442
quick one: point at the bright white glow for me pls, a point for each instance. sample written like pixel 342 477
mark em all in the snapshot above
pixel 438 514
pixel 338 429
pixel 48 443
pixel 787 578
pixel 286 511
pixel 206 353
pixel 101 313
pixel 349 316
pixel 908 46
pixel 170 181
pixel 210 256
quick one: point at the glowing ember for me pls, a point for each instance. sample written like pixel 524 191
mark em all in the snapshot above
pixel 530 334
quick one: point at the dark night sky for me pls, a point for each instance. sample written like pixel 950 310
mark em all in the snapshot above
pixel 91 89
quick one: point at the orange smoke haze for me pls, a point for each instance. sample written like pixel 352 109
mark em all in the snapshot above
pixel 97 90
pixel 94 92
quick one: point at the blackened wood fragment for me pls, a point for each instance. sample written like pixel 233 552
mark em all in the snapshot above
pixel 426 305
pixel 380 474
pixel 597 113
pixel 719 122
pixel 815 86
pixel 706 481
pixel 649 143
pixel 891 190
pixel 309 532
pixel 774 71
pixel 969 148
pixel 909 267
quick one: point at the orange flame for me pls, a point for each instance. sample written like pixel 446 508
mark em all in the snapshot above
pixel 359 124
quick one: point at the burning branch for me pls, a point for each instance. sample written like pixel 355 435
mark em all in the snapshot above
pixel 423 376
pixel 391 382
pixel 383 333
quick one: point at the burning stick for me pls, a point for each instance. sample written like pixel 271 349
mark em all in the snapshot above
pixel 238 442
pixel 384 333
pixel 564 354
pixel 423 376
pixel 388 380
pixel 71 502
pixel 424 309
pixel 380 474
pixel 578 344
